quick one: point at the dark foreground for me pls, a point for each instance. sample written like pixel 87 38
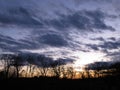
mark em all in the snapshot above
pixel 45 83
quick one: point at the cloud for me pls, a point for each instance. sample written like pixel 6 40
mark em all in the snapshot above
pixel 103 65
pixel 9 44
pixel 92 46
pixel 53 40
pixel 98 65
pixel 23 14
pixel 36 59
pixel 58 25
pixel 114 56
pixel 112 38
pixel 61 61
pixel 99 39
pixel 110 45
pixel 19 16
pixel 105 44
pixel 82 20
pixel 6 42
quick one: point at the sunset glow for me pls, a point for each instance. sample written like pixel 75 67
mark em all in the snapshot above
pixel 57 33
pixel 90 57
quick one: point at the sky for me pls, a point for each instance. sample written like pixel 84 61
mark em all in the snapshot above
pixel 84 30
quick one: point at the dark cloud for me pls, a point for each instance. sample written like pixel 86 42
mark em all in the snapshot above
pixel 110 45
pixel 98 65
pixel 112 38
pixel 7 39
pixel 30 44
pixel 114 56
pixel 36 59
pixel 61 61
pixel 92 46
pixel 98 1
pixel 53 40
pixel 99 38
pixel 18 16
pixel 97 17
pixel 9 44
pixel 105 45
pixel 103 65
pixel 85 20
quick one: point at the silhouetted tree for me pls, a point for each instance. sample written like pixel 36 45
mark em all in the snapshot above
pixel 7 61
pixel 57 68
pixel 57 71
pixel 29 70
pixel 70 72
pixel 44 65
pixel 17 63
pixel 116 68
pixel 64 71
pixel 88 73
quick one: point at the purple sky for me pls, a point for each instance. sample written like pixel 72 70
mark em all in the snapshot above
pixel 84 30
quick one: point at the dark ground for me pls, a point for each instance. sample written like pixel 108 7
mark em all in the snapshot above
pixel 45 83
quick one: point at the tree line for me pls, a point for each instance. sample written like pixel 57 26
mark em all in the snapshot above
pixel 13 67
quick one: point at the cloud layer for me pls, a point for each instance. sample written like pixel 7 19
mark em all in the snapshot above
pixel 35 59
pixel 59 28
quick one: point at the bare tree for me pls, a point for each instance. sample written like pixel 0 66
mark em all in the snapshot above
pixel 57 71
pixel 44 65
pixel 82 73
pixel 43 71
pixel 64 71
pixel 16 62
pixel 30 66
pixel 87 73
pixel 7 60
pixel 70 72
pixel 57 68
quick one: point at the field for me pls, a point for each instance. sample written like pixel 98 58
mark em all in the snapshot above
pixel 54 83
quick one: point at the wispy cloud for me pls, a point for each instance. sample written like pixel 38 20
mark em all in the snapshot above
pixel 72 26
